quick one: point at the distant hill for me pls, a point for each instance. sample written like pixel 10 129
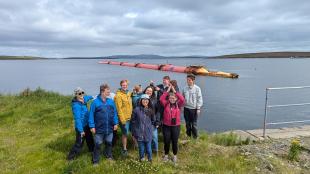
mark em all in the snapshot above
pixel 268 55
pixel 140 56
pixel 20 58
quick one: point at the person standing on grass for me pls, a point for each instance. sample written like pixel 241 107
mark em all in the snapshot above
pixel 123 103
pixel 193 103
pixel 150 91
pixel 102 122
pixel 142 127
pixel 171 120
pixel 81 114
pixel 161 88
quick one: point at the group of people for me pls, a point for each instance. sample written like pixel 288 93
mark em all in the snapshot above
pixel 141 112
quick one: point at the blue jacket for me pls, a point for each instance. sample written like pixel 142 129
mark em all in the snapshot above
pixel 135 99
pixel 103 115
pixel 80 113
pixel 141 124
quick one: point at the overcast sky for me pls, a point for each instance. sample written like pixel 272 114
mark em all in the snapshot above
pixel 61 28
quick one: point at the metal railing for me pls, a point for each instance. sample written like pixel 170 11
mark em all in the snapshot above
pixel 286 105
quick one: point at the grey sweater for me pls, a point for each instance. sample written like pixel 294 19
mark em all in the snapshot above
pixel 193 97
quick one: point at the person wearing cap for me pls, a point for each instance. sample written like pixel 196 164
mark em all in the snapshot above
pixel 142 127
pixel 80 115
pixel 193 103
pixel 123 103
pixel 103 121
pixel 172 101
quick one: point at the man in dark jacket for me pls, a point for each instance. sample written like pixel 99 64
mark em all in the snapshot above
pixel 102 121
pixel 160 90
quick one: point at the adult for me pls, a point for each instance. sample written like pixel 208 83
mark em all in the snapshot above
pixel 123 103
pixel 161 88
pixel 193 103
pixel 80 115
pixel 156 122
pixel 102 121
pixel 142 127
pixel 171 120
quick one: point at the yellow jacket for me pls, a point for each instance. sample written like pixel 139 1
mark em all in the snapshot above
pixel 123 104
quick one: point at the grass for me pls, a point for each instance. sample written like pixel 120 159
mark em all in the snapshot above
pixel 37 132
pixel 19 58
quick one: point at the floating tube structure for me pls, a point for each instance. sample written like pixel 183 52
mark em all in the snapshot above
pixel 196 70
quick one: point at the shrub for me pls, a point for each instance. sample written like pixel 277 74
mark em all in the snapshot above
pixel 295 150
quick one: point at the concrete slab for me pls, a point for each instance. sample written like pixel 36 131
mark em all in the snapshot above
pixel 284 132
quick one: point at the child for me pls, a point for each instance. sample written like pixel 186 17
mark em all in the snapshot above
pixel 136 94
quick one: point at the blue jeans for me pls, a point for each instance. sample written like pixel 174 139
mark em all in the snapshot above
pixel 155 139
pixel 144 145
pixel 99 139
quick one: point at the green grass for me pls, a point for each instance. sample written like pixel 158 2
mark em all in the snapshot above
pixel 37 132
pixel 19 58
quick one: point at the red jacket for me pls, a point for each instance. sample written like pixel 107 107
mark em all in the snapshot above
pixel 172 112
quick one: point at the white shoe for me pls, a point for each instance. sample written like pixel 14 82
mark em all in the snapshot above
pixel 166 158
pixel 174 159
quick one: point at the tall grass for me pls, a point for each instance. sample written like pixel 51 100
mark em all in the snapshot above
pixel 37 132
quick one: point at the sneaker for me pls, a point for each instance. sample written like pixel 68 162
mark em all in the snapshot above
pixel 124 153
pixel 110 159
pixel 174 159
pixel 165 158
pixel 95 164
pixel 142 159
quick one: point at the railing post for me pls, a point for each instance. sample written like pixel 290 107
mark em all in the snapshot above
pixel 265 117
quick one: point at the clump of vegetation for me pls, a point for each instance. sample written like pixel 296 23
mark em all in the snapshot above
pixel 230 139
pixel 295 150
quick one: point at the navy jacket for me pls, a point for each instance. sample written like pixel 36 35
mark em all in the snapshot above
pixel 141 124
pixel 103 115
pixel 80 113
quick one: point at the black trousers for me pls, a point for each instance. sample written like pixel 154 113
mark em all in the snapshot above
pixel 190 116
pixel 79 141
pixel 171 134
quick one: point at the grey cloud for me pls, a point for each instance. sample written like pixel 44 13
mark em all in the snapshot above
pixel 175 27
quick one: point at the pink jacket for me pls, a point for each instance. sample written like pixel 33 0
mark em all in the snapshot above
pixel 172 112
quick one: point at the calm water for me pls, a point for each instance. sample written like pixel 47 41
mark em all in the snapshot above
pixel 229 103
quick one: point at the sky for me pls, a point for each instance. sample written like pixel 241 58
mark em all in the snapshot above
pixel 69 28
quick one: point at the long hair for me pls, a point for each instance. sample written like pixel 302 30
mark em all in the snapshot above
pixel 153 91
pixel 149 111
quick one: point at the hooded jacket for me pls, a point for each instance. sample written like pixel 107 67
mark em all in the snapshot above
pixel 80 113
pixel 123 104
pixel 103 115
pixel 141 124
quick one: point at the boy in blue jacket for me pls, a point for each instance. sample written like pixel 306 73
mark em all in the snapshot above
pixel 80 114
pixel 102 121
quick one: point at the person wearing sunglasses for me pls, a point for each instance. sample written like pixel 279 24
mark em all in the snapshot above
pixel 80 115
